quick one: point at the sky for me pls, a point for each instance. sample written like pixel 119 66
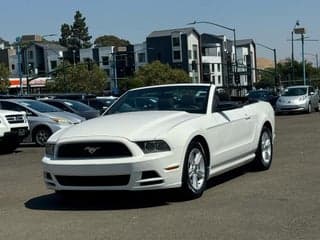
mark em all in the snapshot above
pixel 266 22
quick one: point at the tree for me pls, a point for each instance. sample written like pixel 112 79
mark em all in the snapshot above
pixel 78 78
pixel 65 35
pixel 157 73
pixel 4 78
pixel 110 40
pixel 75 36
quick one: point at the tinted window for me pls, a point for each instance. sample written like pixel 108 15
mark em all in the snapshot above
pixel 78 106
pixel 39 106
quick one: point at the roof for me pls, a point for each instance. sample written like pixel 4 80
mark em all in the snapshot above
pixel 244 42
pixel 50 45
pixel 168 32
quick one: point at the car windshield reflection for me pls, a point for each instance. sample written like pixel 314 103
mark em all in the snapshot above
pixel 290 92
pixel 192 99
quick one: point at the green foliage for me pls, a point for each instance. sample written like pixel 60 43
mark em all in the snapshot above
pixel 78 78
pixel 110 40
pixel 157 73
pixel 284 70
pixel 4 78
pixel 75 36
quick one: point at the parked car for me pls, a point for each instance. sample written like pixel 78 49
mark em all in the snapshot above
pixel 160 137
pixel 73 106
pixel 298 98
pixel 14 127
pixel 263 95
pixel 43 118
pixel 100 103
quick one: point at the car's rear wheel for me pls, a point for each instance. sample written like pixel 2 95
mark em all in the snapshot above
pixel 264 153
pixel 195 171
pixel 41 135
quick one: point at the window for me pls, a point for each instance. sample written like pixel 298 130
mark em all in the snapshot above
pixel 176 55
pixel 189 54
pixel 213 79
pixel 53 64
pixel 219 67
pixel 219 79
pixel 141 57
pixel 13 67
pixel 30 54
pixel 206 69
pixel 213 67
pixel 195 51
pixel 175 41
pixel 210 52
pixel 105 60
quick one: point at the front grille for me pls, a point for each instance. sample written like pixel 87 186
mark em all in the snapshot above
pixel 93 150
pixel 91 181
pixel 15 119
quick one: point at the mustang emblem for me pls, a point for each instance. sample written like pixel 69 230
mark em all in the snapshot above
pixel 91 150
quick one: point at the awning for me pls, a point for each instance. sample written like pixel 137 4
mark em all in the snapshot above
pixel 38 82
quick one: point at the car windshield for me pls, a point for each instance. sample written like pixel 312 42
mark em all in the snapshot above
pixel 191 99
pixel 39 106
pixel 78 106
pixel 295 91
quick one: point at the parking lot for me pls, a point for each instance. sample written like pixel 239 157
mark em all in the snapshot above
pixel 282 203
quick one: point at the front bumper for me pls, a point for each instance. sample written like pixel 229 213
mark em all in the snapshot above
pixel 145 172
pixel 292 107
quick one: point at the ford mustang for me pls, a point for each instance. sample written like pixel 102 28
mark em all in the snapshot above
pixel 167 136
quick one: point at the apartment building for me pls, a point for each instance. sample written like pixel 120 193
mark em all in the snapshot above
pixel 180 48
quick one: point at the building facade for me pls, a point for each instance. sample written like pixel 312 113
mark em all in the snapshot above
pixel 180 48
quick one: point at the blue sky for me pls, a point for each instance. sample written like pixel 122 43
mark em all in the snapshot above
pixel 267 22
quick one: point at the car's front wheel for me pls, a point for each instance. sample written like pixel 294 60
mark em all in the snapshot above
pixel 195 171
pixel 264 153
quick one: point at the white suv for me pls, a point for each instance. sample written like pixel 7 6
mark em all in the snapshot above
pixel 14 127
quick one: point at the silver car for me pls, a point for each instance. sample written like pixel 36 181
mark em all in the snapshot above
pixel 298 98
pixel 43 118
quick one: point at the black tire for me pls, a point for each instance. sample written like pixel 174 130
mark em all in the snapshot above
pixel 41 135
pixel 189 189
pixel 264 152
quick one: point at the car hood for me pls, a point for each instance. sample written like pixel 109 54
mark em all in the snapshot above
pixel 65 115
pixel 135 126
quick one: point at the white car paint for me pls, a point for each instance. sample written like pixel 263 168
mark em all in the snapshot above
pixel 232 137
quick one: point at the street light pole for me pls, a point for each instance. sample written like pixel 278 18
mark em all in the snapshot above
pixel 18 41
pixel 303 62
pixel 302 31
pixel 292 50
pixel 234 42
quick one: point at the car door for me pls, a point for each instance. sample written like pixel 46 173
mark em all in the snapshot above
pixel 229 131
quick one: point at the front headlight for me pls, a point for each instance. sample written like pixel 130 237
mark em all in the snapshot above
pixel 61 121
pixel 153 146
pixel 49 149
pixel 303 98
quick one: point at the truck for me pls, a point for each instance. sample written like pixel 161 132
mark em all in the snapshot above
pixel 14 127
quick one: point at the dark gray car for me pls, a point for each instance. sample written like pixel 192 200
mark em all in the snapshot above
pixel 73 106
pixel 43 118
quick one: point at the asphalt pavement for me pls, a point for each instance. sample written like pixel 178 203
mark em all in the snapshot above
pixel 282 203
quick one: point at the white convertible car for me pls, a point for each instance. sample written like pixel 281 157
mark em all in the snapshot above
pixel 168 136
